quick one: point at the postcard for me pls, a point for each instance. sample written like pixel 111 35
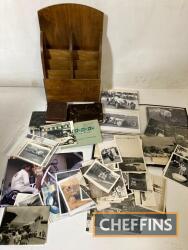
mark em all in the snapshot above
pixel 132 154
pixel 87 132
pixel 101 176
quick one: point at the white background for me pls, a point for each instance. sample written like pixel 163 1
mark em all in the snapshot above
pixel 145 43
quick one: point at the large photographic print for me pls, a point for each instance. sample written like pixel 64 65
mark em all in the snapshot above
pixel 120 99
pixel 168 115
pixel 101 176
pixel 177 169
pixel 24 225
pixel 120 122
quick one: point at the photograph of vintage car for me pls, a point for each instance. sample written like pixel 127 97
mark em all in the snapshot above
pixel 120 99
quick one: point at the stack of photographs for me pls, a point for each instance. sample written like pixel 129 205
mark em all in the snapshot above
pixel 67 168
pixel 120 111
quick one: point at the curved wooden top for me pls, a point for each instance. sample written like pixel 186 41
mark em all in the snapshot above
pixel 82 23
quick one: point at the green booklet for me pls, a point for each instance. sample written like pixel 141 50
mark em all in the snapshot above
pixel 87 132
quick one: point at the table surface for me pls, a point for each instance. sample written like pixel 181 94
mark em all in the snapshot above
pixel 16 105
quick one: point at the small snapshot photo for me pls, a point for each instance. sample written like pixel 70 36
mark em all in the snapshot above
pixel 120 122
pixel 62 132
pixel 109 152
pixel 120 99
pixel 32 200
pixel 169 115
pixel 70 189
pixel 137 181
pixel 181 151
pixel 24 225
pixel 34 153
pixel 50 198
pixel 101 176
pixel 177 170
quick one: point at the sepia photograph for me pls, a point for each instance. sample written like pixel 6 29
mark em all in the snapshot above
pixel 101 176
pixel 157 150
pixel 70 189
pixel 109 152
pixel 177 169
pixel 130 147
pixel 137 181
pixel 24 225
pixel 62 132
pixel 120 99
pixel 120 122
pixel 170 115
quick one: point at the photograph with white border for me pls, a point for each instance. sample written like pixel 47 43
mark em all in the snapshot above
pixel 101 176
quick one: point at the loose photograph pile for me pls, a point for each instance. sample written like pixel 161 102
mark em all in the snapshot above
pixel 82 165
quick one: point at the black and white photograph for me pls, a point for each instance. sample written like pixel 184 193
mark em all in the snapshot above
pixel 120 99
pixel 169 115
pixel 179 150
pixel 109 152
pixel 137 181
pixel 154 199
pixel 118 192
pixel 157 150
pixel 101 176
pixel 120 122
pixel 24 225
pixel 32 200
pixel 155 128
pixel 34 154
pixel 177 170
pixel 36 150
pixel 62 132
pixel 130 147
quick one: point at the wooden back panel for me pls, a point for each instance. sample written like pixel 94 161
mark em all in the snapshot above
pixel 85 24
pixel 71 42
